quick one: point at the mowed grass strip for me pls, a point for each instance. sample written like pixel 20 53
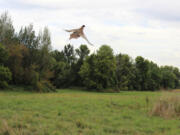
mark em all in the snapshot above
pixel 74 112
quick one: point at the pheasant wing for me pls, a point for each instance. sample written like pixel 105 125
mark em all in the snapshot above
pixel 72 30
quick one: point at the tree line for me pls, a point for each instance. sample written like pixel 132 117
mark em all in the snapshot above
pixel 27 59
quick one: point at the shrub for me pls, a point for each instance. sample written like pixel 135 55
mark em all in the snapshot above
pixel 3 54
pixel 44 86
pixel 5 76
pixel 167 106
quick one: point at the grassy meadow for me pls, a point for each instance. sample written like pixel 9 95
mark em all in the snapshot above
pixel 75 112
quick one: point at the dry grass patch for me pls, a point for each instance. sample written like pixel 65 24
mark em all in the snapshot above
pixel 167 106
pixel 177 90
pixel 7 130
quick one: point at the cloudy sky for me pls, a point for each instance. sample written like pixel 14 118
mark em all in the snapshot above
pixel 136 27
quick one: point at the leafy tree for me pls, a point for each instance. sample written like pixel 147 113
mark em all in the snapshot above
pixel 17 53
pixel 142 67
pixel 82 53
pixel 69 54
pixel 5 74
pixel 3 54
pixel 64 68
pixel 98 70
pixel 124 72
pixel 154 77
pixel 177 74
pixel 62 75
pixel 28 38
pixel 106 66
pixel 7 35
pixel 169 77
pixel 45 61
pixel 58 55
pixel 89 72
pixel 148 75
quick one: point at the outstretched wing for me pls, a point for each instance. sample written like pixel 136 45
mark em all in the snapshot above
pixel 83 36
pixel 72 30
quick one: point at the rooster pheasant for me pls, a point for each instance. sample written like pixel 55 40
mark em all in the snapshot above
pixel 76 33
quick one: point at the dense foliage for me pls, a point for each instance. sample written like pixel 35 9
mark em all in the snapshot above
pixel 98 70
pixel 27 58
pixel 5 74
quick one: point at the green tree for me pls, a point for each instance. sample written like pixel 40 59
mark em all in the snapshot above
pixel 28 38
pixel 169 77
pixel 65 67
pixel 17 53
pixel 58 55
pixel 62 75
pixel 124 72
pixel 3 54
pixel 82 53
pixel 89 72
pixel 154 77
pixel 142 68
pixel 69 54
pixel 98 70
pixel 5 74
pixel 177 74
pixel 45 60
pixel 7 35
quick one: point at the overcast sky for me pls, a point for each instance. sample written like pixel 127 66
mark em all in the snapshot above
pixel 136 27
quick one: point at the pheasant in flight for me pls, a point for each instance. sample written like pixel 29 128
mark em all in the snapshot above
pixel 76 33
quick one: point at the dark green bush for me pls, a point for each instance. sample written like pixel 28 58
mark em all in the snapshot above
pixel 5 76
pixel 44 86
pixel 3 54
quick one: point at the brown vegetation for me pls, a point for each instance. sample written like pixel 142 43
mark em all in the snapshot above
pixel 167 106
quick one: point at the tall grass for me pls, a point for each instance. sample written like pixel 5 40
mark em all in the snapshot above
pixel 167 106
pixel 7 130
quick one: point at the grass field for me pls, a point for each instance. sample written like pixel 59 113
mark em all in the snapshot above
pixel 74 112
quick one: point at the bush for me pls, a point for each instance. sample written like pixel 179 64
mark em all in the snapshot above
pixel 31 76
pixel 167 106
pixel 44 86
pixel 5 76
pixel 3 54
